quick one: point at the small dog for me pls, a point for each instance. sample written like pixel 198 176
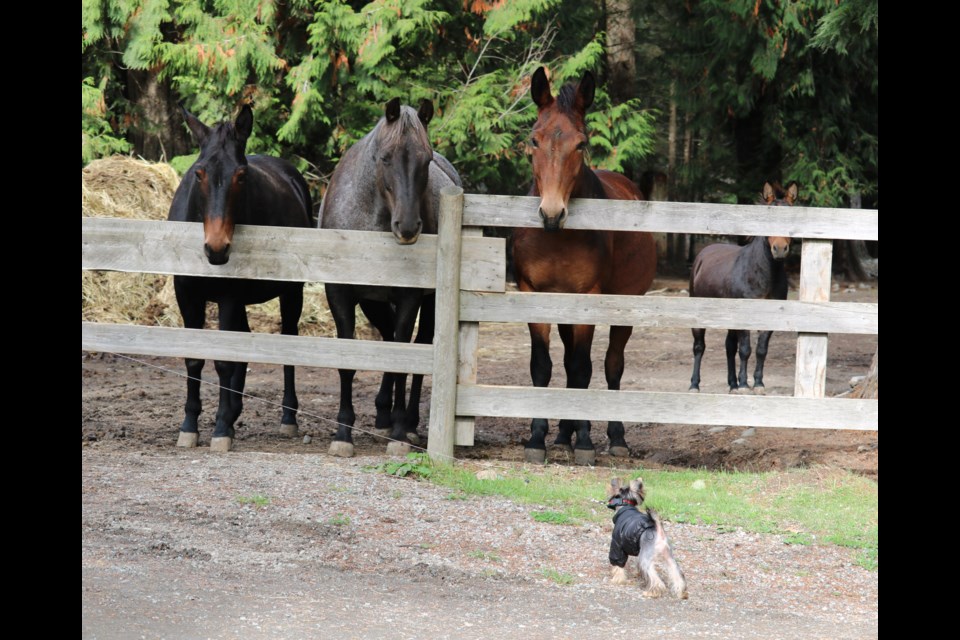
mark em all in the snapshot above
pixel 640 534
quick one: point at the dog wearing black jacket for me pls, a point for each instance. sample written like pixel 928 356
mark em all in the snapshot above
pixel 639 536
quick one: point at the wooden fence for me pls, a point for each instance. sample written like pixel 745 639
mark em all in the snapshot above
pixel 468 272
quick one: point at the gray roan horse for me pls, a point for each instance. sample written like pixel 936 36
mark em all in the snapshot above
pixel 755 270
pixel 388 181
pixel 224 188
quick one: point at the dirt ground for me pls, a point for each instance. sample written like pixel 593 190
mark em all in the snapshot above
pixel 168 550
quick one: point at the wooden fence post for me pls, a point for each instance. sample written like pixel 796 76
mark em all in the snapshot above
pixel 443 397
pixel 467 369
pixel 816 261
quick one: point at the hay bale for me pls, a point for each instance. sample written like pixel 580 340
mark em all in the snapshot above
pixel 123 187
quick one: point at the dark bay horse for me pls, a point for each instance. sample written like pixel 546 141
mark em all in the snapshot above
pixel 223 188
pixel 553 259
pixel 388 181
pixel 755 270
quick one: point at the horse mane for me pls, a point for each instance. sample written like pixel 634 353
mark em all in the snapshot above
pixel 408 124
pixel 567 97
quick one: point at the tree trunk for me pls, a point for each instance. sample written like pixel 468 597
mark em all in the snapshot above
pixel 157 132
pixel 621 41
pixel 869 387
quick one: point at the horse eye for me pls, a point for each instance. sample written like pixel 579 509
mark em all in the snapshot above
pixel 582 146
pixel 385 159
pixel 201 174
pixel 241 176
pixel 533 143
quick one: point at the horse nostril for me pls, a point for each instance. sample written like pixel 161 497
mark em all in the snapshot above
pixel 543 216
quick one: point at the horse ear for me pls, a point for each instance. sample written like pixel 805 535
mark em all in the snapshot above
pixel 425 113
pixel 199 130
pixel 793 191
pixel 768 194
pixel 585 91
pixel 392 110
pixel 244 122
pixel 540 89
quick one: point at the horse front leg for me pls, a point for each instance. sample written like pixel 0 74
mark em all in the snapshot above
pixel 424 336
pixel 699 346
pixel 744 349
pixel 291 306
pixel 343 309
pixel 406 310
pixel 731 345
pixel 613 369
pixel 541 369
pixel 193 311
pixel 763 343
pixel 232 375
pixel 577 340
pixel 382 317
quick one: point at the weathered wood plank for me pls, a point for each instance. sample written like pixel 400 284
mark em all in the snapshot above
pixel 366 355
pixel 669 408
pixel 816 266
pixel 680 217
pixel 657 311
pixel 443 396
pixel 277 253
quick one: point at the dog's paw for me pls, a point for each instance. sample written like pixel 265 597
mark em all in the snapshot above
pixel 619 576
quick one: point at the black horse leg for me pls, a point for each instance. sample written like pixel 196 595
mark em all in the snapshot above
pixel 744 341
pixel 291 306
pixel 541 368
pixel 731 345
pixel 343 308
pixel 577 340
pixel 699 346
pixel 233 317
pixel 613 369
pixel 193 310
pixel 763 343
pixel 424 336
pixel 406 310
pixel 381 315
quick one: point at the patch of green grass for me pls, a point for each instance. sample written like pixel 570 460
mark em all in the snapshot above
pixel 255 500
pixel 808 506
pixel 553 517
pixel 556 576
pixel 415 465
pixel 488 556
pixel 339 520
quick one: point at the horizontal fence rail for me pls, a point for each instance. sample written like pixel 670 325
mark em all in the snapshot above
pixel 655 311
pixel 680 217
pixel 266 348
pixel 291 254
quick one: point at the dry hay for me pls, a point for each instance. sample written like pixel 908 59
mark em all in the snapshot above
pixel 123 187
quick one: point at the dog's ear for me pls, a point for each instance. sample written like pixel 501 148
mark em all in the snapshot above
pixel 613 488
pixel 637 487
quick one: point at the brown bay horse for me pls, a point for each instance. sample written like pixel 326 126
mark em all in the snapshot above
pixel 558 260
pixel 225 187
pixel 755 270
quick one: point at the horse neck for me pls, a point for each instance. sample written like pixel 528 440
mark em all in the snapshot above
pixel 757 258
pixel 588 184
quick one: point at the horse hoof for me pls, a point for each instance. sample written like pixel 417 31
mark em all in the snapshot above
pixel 585 457
pixel 413 437
pixel 341 449
pixel 694 390
pixel 187 439
pixel 289 430
pixel 222 444
pixel 536 456
pixel 759 391
pixel 620 452
pixel 398 448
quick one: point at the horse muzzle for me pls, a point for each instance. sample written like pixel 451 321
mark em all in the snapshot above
pixel 217 257
pixel 407 234
pixel 780 248
pixel 553 222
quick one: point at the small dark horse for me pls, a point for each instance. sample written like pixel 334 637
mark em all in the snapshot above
pixel 223 188
pixel 565 261
pixel 388 181
pixel 755 270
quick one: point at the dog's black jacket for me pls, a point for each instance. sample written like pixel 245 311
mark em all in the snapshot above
pixel 629 525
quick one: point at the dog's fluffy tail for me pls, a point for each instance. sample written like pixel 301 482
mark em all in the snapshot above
pixel 656 521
